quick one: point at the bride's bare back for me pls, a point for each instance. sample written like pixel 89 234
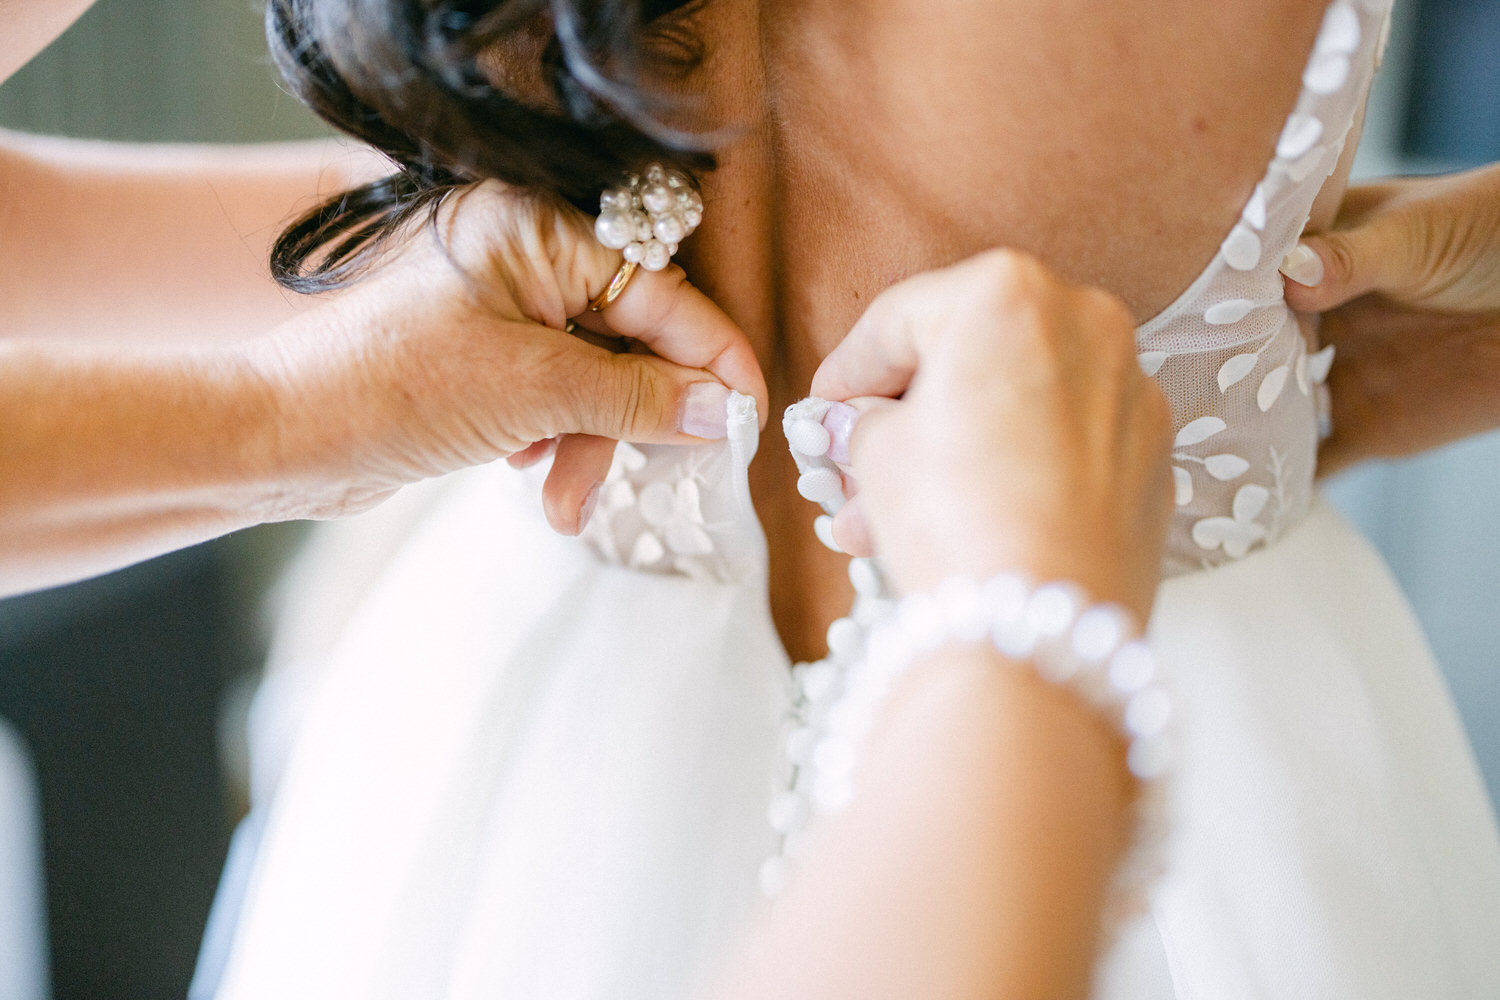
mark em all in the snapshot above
pixel 1118 142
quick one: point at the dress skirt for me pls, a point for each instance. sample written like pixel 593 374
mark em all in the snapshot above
pixel 526 773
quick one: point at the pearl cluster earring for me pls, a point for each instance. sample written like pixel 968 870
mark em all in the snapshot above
pixel 649 215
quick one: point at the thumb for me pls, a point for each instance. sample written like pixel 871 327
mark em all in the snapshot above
pixel 1383 254
pixel 637 397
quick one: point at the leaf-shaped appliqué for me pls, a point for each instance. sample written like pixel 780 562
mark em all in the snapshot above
pixel 1319 363
pixel 1184 483
pixel 1270 387
pixel 1199 430
pixel 1229 311
pixel 1250 501
pixel 629 457
pixel 1212 531
pixel 1151 361
pixel 1226 466
pixel 1235 369
pixel 1303 385
pixel 647 550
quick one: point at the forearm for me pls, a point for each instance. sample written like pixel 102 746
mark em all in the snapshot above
pixel 111 456
pixel 153 243
pixel 974 861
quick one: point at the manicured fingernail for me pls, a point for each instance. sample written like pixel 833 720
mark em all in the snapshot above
pixel 839 422
pixel 1303 266
pixel 704 411
pixel 587 510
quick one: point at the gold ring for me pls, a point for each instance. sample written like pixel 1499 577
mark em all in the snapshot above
pixel 615 287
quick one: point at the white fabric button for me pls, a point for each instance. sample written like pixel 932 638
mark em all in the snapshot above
pixel 816 679
pixel 808 437
pixel 844 638
pixel 821 485
pixel 823 528
pixel 865 577
pixel 788 812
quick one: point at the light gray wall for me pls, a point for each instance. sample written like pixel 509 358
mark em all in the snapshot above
pixel 170 70
pixel 1436 517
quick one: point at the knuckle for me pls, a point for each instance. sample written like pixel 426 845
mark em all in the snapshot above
pixel 633 400
pixel 1340 257
pixel 1005 275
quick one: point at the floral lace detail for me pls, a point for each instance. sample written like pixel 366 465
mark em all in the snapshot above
pixel 666 509
pixel 1247 390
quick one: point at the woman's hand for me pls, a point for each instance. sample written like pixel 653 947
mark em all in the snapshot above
pixel 1409 283
pixel 1025 436
pixel 453 353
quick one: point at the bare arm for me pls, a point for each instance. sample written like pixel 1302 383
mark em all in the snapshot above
pixel 974 861
pixel 113 452
pixel 116 241
pixel 1408 279
pixel 991 809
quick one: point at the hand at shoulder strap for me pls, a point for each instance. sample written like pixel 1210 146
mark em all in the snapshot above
pixel 1408 280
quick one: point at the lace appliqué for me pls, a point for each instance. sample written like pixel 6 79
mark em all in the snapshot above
pixel 682 510
pixel 1247 389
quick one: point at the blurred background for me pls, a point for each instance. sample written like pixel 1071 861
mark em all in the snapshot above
pixel 129 691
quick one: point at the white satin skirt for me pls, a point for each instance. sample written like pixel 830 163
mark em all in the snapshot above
pixel 526 774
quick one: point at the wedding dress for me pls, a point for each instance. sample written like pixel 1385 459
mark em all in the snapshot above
pixel 532 767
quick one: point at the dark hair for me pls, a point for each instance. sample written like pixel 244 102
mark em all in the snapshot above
pixel 406 77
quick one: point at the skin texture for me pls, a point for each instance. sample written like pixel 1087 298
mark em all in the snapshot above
pixel 118 451
pixel 880 140
pixel 1074 445
pixel 1116 144
pixel 157 389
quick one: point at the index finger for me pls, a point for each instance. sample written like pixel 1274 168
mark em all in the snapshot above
pixel 881 353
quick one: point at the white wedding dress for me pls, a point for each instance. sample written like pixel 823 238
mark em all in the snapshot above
pixel 535 768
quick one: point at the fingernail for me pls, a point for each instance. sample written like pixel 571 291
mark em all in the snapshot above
pixel 587 510
pixel 1303 266
pixel 839 422
pixel 704 411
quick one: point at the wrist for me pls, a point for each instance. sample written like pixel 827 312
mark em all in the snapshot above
pixel 303 446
